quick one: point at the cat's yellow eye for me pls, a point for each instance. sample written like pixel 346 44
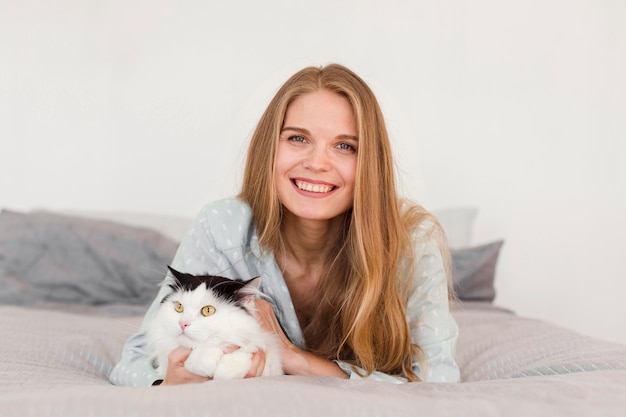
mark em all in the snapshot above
pixel 178 307
pixel 207 311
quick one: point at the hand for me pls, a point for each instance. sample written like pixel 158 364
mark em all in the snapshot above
pixel 266 317
pixel 257 361
pixel 176 372
pixel 258 364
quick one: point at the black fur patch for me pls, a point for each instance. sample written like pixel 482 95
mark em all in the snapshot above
pixel 225 288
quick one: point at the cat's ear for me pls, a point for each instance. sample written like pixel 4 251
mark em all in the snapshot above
pixel 176 275
pixel 174 272
pixel 250 290
pixel 254 284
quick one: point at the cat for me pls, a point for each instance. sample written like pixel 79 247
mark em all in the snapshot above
pixel 208 314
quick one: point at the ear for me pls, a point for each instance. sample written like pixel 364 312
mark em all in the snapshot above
pixel 250 290
pixel 174 272
pixel 177 280
pixel 254 284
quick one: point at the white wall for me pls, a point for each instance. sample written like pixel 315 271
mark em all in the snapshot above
pixel 517 108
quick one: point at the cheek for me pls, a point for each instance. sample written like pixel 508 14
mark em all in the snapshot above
pixel 284 163
pixel 284 160
pixel 348 173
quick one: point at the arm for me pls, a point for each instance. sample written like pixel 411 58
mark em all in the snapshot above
pixel 433 328
pixel 134 367
pixel 295 360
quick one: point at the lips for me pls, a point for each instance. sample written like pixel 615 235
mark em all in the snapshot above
pixel 313 187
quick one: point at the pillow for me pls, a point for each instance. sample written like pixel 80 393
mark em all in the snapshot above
pixel 458 224
pixel 474 271
pixel 52 258
pixel 173 227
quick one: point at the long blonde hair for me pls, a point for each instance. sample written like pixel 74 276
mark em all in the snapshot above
pixel 362 295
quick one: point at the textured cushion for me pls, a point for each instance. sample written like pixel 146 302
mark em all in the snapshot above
pixel 474 271
pixel 51 258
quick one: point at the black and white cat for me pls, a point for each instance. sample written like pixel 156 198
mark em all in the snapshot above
pixel 209 314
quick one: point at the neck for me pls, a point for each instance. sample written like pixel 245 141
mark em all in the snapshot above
pixel 309 241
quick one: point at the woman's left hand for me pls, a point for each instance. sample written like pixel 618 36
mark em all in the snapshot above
pixel 269 322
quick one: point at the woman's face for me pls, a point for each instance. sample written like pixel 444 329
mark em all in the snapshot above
pixel 317 156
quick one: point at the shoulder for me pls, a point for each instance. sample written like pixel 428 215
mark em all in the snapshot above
pixel 421 224
pixel 230 208
pixel 428 253
pixel 228 222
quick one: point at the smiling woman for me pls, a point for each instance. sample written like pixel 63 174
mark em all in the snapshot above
pixel 358 278
pixel 316 157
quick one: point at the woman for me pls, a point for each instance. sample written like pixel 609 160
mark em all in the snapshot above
pixel 357 277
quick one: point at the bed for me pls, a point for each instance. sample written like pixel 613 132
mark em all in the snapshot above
pixel 73 288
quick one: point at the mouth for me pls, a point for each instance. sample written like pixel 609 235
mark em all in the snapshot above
pixel 313 188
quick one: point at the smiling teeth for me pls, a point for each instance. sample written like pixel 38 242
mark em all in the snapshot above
pixel 313 188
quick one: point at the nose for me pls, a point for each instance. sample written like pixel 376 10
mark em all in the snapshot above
pixel 183 324
pixel 317 159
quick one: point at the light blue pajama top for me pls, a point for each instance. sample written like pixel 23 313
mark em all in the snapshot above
pixel 223 241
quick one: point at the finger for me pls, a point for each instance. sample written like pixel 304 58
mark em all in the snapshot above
pixel 261 365
pixel 257 364
pixel 231 349
pixel 179 355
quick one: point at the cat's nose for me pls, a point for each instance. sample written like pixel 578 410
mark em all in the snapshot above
pixel 183 325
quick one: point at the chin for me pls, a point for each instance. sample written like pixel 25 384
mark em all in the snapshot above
pixel 326 210
pixel 317 215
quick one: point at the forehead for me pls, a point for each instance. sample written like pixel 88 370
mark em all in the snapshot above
pixel 321 108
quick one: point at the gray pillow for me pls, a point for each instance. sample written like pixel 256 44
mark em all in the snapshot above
pixel 474 271
pixel 51 258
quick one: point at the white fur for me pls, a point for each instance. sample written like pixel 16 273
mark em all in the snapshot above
pixel 210 336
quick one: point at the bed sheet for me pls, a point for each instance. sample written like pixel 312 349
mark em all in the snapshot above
pixel 56 361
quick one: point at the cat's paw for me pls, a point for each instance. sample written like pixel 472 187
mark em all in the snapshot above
pixel 233 365
pixel 203 360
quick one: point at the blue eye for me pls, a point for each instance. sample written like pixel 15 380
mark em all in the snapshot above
pixel 297 138
pixel 346 147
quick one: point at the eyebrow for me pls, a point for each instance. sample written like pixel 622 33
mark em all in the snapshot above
pixel 306 132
